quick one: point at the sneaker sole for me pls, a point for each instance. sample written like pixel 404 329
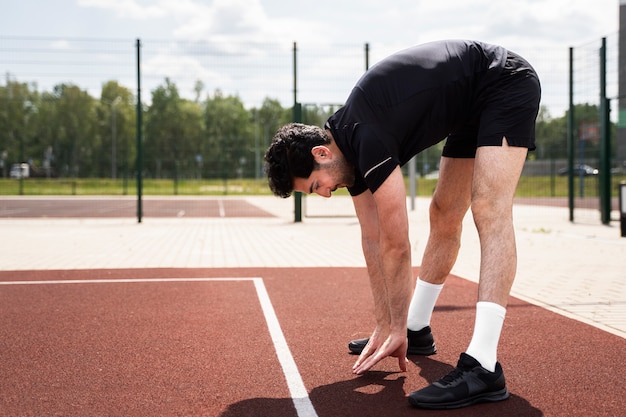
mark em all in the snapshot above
pixel 495 396
pixel 424 351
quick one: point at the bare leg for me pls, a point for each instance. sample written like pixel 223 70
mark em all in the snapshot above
pixel 496 174
pixel 447 210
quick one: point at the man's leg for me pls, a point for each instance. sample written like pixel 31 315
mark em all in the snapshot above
pixel 497 172
pixel 447 210
pixel 478 377
pixel 496 176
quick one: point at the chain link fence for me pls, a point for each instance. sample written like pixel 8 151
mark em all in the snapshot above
pixel 594 85
pixel 68 116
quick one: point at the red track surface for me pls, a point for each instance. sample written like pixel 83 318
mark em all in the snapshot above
pixel 101 208
pixel 203 348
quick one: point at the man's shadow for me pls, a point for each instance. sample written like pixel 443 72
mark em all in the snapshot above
pixel 377 394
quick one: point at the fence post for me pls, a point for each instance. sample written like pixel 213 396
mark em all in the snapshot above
pixel 622 208
pixel 139 137
pixel 605 143
pixel 570 137
pixel 297 117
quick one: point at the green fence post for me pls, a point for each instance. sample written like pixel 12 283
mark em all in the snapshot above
pixel 297 117
pixel 21 171
pixel 139 136
pixel 605 143
pixel 570 138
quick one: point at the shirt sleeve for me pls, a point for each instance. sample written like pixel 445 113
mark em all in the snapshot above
pixel 377 157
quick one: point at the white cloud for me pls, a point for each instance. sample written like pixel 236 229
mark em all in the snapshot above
pixel 393 24
pixel 128 9
pixel 60 45
pixel 218 20
pixel 219 40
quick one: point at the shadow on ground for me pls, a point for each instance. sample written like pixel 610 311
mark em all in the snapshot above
pixel 377 394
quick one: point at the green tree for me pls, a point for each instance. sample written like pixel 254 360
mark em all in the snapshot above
pixel 73 130
pixel 228 130
pixel 173 134
pixel 551 133
pixel 266 120
pixel 18 113
pixel 115 127
pixel 550 136
pixel 191 153
pixel 162 130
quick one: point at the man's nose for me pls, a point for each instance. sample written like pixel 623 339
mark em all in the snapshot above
pixel 325 193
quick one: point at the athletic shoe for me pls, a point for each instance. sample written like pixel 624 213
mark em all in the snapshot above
pixel 467 384
pixel 421 342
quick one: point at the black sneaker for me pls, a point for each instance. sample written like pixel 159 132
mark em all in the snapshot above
pixel 421 342
pixel 467 384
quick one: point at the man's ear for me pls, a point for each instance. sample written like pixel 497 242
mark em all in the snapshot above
pixel 321 153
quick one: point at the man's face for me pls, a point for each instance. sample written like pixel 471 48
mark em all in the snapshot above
pixel 332 174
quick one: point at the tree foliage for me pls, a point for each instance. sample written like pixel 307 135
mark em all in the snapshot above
pixel 210 136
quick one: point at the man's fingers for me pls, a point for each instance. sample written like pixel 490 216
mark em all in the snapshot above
pixel 372 360
pixel 367 364
pixel 370 357
pixel 402 361
pixel 366 353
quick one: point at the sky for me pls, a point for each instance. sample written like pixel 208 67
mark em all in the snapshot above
pixel 387 25
pixel 394 22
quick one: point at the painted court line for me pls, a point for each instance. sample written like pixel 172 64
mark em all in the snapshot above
pixel 299 394
pixel 220 204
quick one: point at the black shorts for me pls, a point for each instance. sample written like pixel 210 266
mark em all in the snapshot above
pixel 510 110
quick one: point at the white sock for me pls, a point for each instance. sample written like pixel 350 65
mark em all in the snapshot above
pixel 422 304
pixel 484 344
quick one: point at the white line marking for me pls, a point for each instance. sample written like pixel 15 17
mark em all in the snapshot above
pixel 299 394
pixel 125 280
pixel 220 204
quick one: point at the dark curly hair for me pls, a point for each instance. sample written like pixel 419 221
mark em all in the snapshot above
pixel 289 156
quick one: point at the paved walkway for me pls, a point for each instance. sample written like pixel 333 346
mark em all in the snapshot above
pixel 575 269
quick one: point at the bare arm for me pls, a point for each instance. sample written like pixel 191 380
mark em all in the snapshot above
pixel 384 228
pixel 367 213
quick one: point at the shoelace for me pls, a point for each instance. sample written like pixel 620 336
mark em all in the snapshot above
pixel 452 376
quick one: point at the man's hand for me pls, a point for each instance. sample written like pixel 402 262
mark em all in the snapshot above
pixel 394 345
pixel 387 250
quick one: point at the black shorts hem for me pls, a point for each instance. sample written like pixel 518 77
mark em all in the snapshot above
pixel 510 111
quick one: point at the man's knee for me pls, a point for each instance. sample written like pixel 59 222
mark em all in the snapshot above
pixel 447 213
pixel 491 210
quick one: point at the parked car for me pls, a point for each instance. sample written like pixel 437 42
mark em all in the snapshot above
pixel 433 175
pixel 19 171
pixel 585 170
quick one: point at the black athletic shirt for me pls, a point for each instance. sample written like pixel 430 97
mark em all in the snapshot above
pixel 409 102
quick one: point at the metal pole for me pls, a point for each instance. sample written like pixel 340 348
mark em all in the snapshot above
pixel 114 104
pixel 412 182
pixel 367 56
pixel 297 117
pixel 139 136
pixel 570 138
pixel 605 143
pixel 113 140
pixel 622 208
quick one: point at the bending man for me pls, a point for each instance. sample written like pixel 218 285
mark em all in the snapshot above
pixel 483 100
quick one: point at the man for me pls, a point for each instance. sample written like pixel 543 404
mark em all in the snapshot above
pixel 484 100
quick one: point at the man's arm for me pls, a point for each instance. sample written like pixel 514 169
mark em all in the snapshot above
pixel 367 213
pixel 384 228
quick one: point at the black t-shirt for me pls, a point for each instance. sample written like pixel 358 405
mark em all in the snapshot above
pixel 409 102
